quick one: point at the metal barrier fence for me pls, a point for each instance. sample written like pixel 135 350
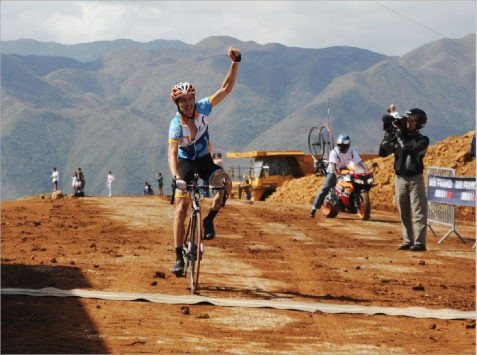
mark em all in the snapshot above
pixel 442 213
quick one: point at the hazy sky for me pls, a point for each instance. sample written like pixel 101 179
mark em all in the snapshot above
pixel 308 24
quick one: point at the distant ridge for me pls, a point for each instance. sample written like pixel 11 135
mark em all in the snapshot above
pixel 83 52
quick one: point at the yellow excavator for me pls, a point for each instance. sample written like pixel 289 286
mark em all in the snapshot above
pixel 268 170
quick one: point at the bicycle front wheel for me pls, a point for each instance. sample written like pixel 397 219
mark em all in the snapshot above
pixel 195 252
pixel 327 142
pixel 315 143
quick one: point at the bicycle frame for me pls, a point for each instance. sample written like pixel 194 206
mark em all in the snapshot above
pixel 193 247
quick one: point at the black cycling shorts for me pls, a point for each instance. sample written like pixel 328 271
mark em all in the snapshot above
pixel 204 166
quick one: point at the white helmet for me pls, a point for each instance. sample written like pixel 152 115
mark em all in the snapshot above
pixel 182 89
pixel 343 142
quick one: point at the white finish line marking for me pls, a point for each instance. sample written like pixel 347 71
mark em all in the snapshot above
pixel 413 312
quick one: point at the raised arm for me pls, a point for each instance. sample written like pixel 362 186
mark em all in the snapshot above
pixel 229 81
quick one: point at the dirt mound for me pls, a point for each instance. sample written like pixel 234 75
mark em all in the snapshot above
pixel 450 153
pixel 46 196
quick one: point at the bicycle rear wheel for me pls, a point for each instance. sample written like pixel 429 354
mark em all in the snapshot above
pixel 327 142
pixel 315 142
pixel 195 252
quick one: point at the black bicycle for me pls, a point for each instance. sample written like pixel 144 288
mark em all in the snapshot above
pixel 320 143
pixel 193 247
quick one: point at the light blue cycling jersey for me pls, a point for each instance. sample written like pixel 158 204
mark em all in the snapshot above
pixel 180 133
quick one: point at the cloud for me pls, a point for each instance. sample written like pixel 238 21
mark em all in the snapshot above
pixel 309 24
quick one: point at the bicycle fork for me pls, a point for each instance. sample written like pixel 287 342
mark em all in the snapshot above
pixel 189 251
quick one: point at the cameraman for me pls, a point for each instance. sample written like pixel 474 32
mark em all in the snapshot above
pixel 402 137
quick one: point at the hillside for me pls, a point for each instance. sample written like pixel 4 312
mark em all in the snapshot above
pixel 114 113
pixel 83 52
pixel 450 153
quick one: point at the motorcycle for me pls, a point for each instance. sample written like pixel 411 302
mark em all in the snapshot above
pixel 351 194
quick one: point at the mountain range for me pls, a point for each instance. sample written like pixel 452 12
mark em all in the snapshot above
pixel 106 105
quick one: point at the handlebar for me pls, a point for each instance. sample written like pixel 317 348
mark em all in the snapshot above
pixel 194 187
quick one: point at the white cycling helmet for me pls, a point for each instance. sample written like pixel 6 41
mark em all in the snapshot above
pixel 182 89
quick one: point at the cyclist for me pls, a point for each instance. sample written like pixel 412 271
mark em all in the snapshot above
pixel 189 153
pixel 339 156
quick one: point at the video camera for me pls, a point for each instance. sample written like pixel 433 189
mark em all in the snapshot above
pixel 389 123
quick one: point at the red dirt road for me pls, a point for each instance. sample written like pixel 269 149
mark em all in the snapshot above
pixel 263 251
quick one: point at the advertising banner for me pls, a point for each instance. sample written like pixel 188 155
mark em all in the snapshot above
pixel 451 190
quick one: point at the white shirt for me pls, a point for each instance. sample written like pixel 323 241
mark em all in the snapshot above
pixel 395 114
pixel 351 158
pixel 55 176
pixel 219 162
pixel 110 178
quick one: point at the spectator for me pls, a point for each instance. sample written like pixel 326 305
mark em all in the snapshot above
pixel 74 182
pixel 148 189
pixel 55 176
pixel 218 160
pixel 393 111
pixel 246 189
pixel 109 182
pixel 81 180
pixel 160 184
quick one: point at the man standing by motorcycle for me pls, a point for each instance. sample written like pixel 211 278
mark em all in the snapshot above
pixel 340 156
pixel 409 146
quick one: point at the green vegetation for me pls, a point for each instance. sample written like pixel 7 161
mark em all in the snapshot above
pixel 113 113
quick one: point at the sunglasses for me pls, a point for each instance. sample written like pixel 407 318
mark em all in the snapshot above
pixel 412 119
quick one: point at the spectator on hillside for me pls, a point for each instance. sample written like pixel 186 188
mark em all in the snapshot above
pixel 160 183
pixel 55 176
pixel 393 111
pixel 79 188
pixel 109 183
pixel 81 180
pixel 148 189
pixel 74 182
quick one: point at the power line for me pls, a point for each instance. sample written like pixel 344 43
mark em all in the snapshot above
pixel 417 23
